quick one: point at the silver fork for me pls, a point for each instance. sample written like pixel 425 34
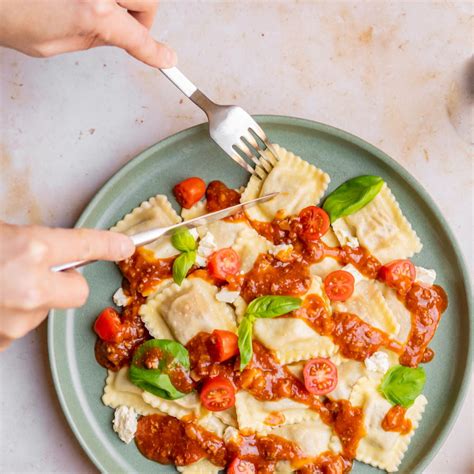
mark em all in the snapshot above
pixel 233 129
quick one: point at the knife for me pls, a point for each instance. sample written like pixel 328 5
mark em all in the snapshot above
pixel 151 235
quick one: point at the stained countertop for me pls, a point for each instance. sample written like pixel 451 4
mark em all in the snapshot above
pixel 394 73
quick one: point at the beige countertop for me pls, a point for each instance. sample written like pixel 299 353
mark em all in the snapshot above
pixel 393 73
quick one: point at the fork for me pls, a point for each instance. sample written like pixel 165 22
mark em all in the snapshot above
pixel 231 127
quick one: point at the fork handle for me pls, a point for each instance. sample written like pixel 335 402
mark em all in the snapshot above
pixel 188 88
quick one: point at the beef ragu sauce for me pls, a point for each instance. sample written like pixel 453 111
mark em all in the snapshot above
pixel 395 420
pixel 141 274
pixel 219 196
pixel 356 339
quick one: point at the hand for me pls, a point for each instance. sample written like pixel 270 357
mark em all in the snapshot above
pixel 28 288
pixel 45 28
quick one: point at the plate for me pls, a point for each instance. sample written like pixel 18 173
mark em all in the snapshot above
pixel 78 378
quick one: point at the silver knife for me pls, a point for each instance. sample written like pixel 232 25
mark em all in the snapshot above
pixel 151 235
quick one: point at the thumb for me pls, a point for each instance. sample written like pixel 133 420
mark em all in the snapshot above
pixel 124 31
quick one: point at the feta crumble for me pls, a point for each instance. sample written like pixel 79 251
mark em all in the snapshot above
pixel 120 298
pixel 346 239
pixel 281 251
pixel 349 268
pixel 231 434
pixel 125 423
pixel 207 246
pixel 227 296
pixel 377 362
pixel 194 233
pixel 425 275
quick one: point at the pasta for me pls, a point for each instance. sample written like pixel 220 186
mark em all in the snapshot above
pixel 252 377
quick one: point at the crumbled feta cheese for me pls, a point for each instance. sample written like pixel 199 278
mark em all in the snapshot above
pixel 346 239
pixel 377 362
pixel 207 246
pixel 425 275
pixel 194 233
pixel 231 434
pixel 349 268
pixel 125 423
pixel 227 296
pixel 120 298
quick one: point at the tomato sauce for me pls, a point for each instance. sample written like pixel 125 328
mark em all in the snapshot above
pixel 358 340
pixel 395 420
pixel 313 311
pixel 270 276
pixel 426 304
pixel 167 440
pixel 219 196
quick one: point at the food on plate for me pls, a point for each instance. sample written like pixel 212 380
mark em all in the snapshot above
pixel 289 338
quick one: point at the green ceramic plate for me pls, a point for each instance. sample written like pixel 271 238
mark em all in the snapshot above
pixel 79 379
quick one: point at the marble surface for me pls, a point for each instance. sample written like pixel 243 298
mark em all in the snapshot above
pixel 394 73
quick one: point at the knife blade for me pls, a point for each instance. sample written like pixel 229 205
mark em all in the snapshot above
pixel 148 236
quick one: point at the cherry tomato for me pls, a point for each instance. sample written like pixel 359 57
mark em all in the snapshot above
pixel 107 325
pixel 218 394
pixel 315 222
pixel 224 345
pixel 189 191
pixel 223 263
pixel 339 285
pixel 240 466
pixel 399 274
pixel 320 376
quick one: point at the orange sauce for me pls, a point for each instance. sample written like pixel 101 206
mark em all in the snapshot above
pixel 395 420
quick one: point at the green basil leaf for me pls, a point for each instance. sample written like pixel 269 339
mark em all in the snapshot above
pixel 157 381
pixel 183 241
pixel 352 196
pixel 245 340
pixel 271 306
pixel 401 385
pixel 182 265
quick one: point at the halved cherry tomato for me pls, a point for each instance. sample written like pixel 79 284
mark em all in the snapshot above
pixel 218 394
pixel 339 285
pixel 224 345
pixel 223 263
pixel 189 191
pixel 107 325
pixel 315 222
pixel 320 376
pixel 240 466
pixel 399 274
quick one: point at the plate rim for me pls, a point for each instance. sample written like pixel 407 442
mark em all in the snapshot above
pixel 427 457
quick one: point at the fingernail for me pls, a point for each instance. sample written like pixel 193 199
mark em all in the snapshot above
pixel 169 57
pixel 126 247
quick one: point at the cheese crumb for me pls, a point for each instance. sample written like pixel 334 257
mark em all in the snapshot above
pixel 349 268
pixel 207 246
pixel 194 233
pixel 282 251
pixel 120 298
pixel 227 296
pixel 377 362
pixel 425 275
pixel 347 239
pixel 125 423
pixel 231 434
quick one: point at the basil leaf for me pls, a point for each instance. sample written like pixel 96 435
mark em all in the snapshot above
pixel 352 196
pixel 245 340
pixel 271 306
pixel 182 265
pixel 157 381
pixel 183 241
pixel 401 385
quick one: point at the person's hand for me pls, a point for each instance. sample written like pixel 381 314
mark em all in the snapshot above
pixel 45 28
pixel 28 288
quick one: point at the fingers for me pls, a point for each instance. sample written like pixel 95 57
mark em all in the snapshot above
pixel 15 323
pixel 123 31
pixel 142 10
pixel 65 245
pixel 67 290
